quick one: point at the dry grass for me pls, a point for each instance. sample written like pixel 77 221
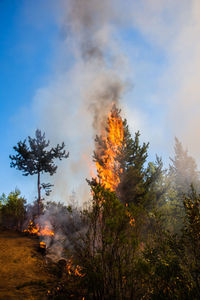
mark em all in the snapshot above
pixel 23 271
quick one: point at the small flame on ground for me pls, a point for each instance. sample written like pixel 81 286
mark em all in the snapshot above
pixel 39 230
pixel 74 269
pixel 42 245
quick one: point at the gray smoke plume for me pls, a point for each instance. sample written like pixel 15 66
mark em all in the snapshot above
pixel 161 46
pixel 82 90
pixel 89 26
pixel 64 223
pixel 77 101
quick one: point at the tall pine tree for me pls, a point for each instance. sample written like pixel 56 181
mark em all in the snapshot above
pixel 35 158
pixel 124 160
pixel 183 170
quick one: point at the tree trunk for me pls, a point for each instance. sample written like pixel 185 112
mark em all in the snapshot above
pixel 39 193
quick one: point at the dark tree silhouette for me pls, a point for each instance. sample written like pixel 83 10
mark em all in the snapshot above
pixel 34 157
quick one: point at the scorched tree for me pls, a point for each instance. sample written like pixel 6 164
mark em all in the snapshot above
pixel 34 158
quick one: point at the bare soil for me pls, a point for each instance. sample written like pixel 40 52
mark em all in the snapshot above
pixel 24 273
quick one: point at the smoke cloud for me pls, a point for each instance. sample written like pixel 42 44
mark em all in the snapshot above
pixel 77 101
pixel 172 29
pixel 90 25
pixel 95 66
pixel 60 226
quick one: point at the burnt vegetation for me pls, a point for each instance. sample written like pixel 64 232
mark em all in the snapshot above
pixel 139 239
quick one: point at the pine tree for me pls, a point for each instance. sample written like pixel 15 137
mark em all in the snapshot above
pixel 122 162
pixel 141 183
pixel 35 158
pixel 191 241
pixel 182 176
pixel 183 171
pixel 132 187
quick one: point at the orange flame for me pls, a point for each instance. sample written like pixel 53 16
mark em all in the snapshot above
pixel 74 270
pixel 42 245
pixel 44 230
pixel 131 219
pixel 109 168
pixel 39 230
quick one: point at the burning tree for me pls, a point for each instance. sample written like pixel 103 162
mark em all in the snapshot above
pixel 108 149
pixel 34 158
pixel 108 249
pixel 120 162
pixel 123 195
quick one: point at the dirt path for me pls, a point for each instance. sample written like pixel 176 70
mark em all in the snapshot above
pixel 23 271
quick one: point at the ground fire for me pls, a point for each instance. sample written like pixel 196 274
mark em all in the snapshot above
pixel 40 230
pixel 107 164
pixel 73 269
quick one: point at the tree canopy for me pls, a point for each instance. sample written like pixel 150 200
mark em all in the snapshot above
pixel 13 209
pixel 139 237
pixel 35 157
pixel 183 170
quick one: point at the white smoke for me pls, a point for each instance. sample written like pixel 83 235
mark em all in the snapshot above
pixel 65 224
pixel 77 101
pixel 172 29
pixel 95 67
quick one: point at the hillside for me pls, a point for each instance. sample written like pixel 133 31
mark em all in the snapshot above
pixel 24 273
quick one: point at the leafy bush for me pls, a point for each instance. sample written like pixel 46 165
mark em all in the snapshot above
pixel 13 210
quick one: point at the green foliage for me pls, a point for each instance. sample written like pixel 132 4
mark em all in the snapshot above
pixel 182 174
pixel 173 215
pixel 36 158
pixel 183 171
pixel 191 240
pixel 133 154
pixel 166 278
pixel 139 242
pixel 109 248
pixel 139 184
pixel 121 224
pixel 133 177
pixel 192 208
pixel 33 158
pixel 13 209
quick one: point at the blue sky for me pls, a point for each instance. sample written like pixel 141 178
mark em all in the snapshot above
pixel 42 78
pixel 25 54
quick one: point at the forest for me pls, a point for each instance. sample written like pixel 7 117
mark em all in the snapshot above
pixel 138 236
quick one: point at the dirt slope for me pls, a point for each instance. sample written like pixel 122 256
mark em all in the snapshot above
pixel 23 271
